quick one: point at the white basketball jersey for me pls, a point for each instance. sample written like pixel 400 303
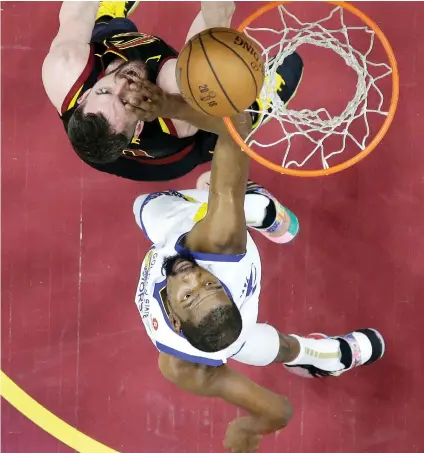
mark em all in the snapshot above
pixel 240 276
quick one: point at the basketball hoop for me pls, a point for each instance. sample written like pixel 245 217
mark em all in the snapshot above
pixel 328 139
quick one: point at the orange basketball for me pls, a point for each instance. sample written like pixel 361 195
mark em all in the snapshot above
pixel 220 72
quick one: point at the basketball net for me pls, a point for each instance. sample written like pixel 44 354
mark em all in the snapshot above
pixel 316 126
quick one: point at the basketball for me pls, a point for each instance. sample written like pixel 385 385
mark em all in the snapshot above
pixel 220 72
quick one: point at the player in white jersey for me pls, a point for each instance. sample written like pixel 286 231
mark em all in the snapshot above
pixel 199 288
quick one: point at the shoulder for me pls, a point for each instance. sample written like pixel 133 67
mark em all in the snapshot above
pixel 62 67
pixel 166 78
pixel 168 82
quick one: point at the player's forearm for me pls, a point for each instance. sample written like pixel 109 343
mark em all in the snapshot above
pixel 81 14
pixel 268 411
pixel 78 10
pixel 230 169
pixel 230 166
pixel 224 225
pixel 178 109
pixel 218 14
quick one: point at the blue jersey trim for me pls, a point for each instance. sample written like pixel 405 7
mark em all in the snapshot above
pixel 156 296
pixel 188 357
pixel 241 347
pixel 208 256
pixel 226 289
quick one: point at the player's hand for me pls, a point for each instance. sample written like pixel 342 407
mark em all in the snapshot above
pixel 240 440
pixel 148 99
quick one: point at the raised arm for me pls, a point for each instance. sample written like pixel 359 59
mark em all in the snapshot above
pixel 268 411
pixel 223 230
pixel 69 50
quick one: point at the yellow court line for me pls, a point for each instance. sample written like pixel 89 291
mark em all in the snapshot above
pixel 43 418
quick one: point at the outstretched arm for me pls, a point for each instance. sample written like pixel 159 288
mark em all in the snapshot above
pixel 69 50
pixel 223 230
pixel 268 412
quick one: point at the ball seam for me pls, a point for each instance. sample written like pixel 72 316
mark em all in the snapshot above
pixel 215 75
pixel 235 53
pixel 188 81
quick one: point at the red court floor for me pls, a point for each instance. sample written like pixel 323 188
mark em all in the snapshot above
pixel 71 253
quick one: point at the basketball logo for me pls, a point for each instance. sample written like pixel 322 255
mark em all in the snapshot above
pixel 220 72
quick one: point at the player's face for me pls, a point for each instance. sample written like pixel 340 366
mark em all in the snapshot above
pixel 192 291
pixel 108 96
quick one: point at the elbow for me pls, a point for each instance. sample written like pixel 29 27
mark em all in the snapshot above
pixel 281 414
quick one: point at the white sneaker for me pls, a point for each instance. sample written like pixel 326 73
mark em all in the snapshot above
pixel 366 346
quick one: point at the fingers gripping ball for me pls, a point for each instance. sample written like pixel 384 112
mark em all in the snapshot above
pixel 220 72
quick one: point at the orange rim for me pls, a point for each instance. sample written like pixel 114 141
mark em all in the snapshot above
pixel 380 134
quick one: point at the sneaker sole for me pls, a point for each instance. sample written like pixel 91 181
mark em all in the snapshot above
pixel 377 342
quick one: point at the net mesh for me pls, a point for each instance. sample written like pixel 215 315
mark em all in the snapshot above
pixel 330 32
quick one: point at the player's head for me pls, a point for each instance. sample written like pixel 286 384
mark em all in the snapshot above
pixel 199 305
pixel 103 124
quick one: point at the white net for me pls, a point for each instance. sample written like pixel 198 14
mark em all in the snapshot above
pixel 318 125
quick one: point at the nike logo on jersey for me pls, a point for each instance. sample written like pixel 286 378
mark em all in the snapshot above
pixel 250 283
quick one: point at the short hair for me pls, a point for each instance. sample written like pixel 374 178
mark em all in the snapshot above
pixel 93 139
pixel 216 331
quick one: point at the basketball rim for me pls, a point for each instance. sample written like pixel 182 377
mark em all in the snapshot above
pixel 384 127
